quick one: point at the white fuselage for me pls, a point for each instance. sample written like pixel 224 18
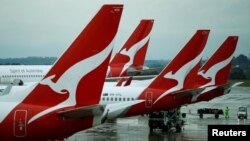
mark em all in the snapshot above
pixel 26 73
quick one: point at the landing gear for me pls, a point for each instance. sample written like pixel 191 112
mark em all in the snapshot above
pixel 166 121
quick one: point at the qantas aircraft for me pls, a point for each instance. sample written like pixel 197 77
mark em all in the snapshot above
pixel 74 82
pixel 157 94
pixel 178 84
pixel 213 75
pixel 132 54
pixel 131 57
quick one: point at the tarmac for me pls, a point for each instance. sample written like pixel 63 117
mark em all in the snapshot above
pixel 195 129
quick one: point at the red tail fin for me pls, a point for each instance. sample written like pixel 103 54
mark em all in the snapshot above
pixel 81 68
pixel 133 52
pixel 216 70
pixel 177 70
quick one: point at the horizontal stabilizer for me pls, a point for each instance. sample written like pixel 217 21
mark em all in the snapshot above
pixel 115 79
pixel 225 87
pixel 114 110
pixel 134 72
pixel 236 84
pixel 190 92
pixel 82 112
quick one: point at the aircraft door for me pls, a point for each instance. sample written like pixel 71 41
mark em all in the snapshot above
pixel 20 123
pixel 149 100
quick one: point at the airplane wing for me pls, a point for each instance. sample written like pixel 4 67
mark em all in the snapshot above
pixel 82 111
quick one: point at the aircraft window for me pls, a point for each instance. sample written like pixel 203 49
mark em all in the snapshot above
pixel 132 99
pixel 128 99
pixel 111 98
pixel 115 99
pixel 103 99
pixel 120 99
pixel 107 99
pixel 124 99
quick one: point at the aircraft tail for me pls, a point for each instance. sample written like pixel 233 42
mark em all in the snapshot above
pixel 133 53
pixel 178 74
pixel 216 70
pixel 77 77
pixel 183 63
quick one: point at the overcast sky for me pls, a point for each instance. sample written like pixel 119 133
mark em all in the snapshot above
pixel 48 27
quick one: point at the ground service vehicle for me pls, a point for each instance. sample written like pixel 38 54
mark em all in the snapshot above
pixel 242 112
pixel 214 111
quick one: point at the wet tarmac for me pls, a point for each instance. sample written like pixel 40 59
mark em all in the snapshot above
pixel 195 129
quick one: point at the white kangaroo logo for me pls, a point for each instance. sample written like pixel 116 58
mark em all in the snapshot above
pixel 132 51
pixel 179 76
pixel 212 71
pixel 70 79
pixel 52 85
